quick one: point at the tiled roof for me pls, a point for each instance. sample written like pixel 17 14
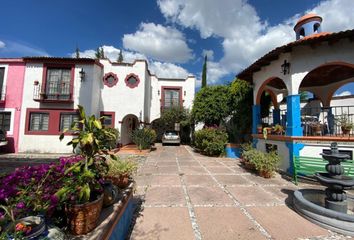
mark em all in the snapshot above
pixel 59 59
pixel 247 73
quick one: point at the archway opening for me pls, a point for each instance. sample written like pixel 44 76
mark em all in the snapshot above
pixel 322 115
pixel 272 100
pixel 129 123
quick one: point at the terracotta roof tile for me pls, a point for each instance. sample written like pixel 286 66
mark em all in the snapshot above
pixel 247 73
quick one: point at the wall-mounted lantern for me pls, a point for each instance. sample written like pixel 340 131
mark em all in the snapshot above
pixel 285 67
pixel 82 75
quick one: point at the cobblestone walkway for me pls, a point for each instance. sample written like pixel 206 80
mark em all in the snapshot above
pixel 190 196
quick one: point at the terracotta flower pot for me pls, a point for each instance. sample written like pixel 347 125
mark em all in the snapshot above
pixel 346 131
pixel 122 181
pixel 265 174
pixel 250 166
pixel 110 193
pixel 83 218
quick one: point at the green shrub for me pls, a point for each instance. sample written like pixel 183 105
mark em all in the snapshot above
pixel 211 141
pixel 267 162
pixel 144 137
pixel 110 142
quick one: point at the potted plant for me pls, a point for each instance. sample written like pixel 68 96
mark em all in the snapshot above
pixel 144 138
pixel 248 155
pixel 119 171
pixel 23 228
pixel 265 163
pixel 82 193
pixel 278 129
pixel 244 148
pixel 316 127
pixel 345 124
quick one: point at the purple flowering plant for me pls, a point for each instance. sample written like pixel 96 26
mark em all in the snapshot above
pixel 30 190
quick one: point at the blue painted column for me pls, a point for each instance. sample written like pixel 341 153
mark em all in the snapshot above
pixel 293 127
pixel 293 116
pixel 294 150
pixel 276 116
pixel 256 117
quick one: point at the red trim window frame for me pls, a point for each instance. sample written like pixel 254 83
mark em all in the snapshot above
pixel 164 88
pixel 53 121
pixel 113 117
pixel 134 76
pixel 107 75
pixel 47 66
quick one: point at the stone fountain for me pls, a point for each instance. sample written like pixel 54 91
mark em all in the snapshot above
pixel 331 208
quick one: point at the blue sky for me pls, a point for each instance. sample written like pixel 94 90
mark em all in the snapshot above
pixel 173 35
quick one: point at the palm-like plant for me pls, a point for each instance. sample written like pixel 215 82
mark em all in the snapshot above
pixel 89 137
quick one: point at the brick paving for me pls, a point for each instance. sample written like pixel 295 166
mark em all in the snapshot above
pixel 190 196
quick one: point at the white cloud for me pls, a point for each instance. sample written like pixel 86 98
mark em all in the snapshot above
pixel 21 49
pixel 168 70
pixel 342 94
pixel 337 14
pixel 112 54
pixel 159 42
pixel 209 53
pixel 160 69
pixel 245 37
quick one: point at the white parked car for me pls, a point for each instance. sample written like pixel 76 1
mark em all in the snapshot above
pixel 171 137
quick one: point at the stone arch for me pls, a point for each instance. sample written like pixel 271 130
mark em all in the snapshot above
pixel 129 123
pixel 274 82
pixel 324 77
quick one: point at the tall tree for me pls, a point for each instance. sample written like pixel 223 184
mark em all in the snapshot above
pixel 120 57
pixel 212 105
pixel 102 52
pixel 98 53
pixel 204 74
pixel 77 52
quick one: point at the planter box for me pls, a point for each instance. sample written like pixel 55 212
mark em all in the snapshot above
pixel 233 150
pixel 114 221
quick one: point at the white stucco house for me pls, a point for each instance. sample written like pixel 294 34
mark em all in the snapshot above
pixel 126 93
pixel 317 62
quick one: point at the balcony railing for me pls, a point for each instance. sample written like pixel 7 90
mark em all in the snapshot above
pixel 55 92
pixel 319 121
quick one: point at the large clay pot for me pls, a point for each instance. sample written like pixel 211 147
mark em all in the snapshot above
pixel 110 193
pixel 83 218
pixel 122 181
pixel 265 174
pixel 346 131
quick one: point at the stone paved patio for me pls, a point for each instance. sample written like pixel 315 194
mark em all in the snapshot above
pixel 190 196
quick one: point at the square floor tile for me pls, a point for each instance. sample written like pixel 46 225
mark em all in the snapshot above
pixel 226 223
pixel 199 180
pixel 283 223
pixel 231 180
pixel 192 170
pixel 167 169
pixel 276 180
pixel 252 195
pixel 209 196
pixel 163 224
pixel 165 180
pixel 169 196
pixel 218 170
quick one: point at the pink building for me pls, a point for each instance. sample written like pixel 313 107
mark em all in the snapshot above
pixel 12 71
